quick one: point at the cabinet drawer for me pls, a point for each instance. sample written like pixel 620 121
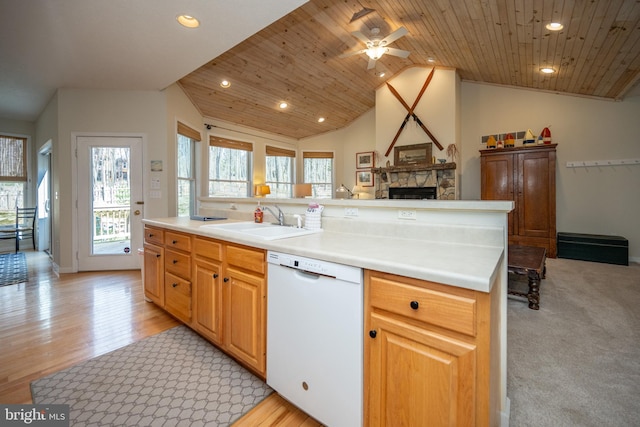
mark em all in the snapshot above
pixel 447 310
pixel 154 235
pixel 246 258
pixel 177 294
pixel 177 263
pixel 207 248
pixel 177 241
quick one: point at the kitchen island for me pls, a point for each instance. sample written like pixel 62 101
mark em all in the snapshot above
pixel 452 255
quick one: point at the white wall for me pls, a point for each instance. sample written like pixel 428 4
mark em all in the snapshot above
pixel 595 200
pixel 436 110
pixel 101 111
pixel 179 109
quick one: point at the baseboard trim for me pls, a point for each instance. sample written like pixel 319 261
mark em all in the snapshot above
pixel 504 415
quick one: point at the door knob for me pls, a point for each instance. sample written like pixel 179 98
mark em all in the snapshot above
pixel 136 212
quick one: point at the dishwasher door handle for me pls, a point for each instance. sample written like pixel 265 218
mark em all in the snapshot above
pixel 307 275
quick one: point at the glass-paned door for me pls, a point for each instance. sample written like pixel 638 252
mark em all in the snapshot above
pixel 109 202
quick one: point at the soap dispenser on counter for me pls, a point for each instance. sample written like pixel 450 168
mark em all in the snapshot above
pixel 258 214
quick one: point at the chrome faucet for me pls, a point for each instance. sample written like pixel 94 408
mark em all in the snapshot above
pixel 279 216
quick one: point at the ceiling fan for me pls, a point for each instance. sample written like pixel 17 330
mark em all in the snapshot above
pixel 377 46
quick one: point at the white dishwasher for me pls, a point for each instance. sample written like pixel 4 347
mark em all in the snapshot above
pixel 315 337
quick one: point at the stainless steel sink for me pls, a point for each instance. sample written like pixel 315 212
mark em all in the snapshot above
pixel 265 231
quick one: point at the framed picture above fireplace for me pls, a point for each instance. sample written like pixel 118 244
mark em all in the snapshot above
pixel 364 178
pixel 365 160
pixel 417 154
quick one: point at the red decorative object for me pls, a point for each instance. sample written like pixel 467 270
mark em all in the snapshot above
pixel 546 136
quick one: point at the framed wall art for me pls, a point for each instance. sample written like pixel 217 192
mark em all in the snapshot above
pixel 364 178
pixel 417 154
pixel 365 160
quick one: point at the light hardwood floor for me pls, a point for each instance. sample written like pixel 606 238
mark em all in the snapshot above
pixel 51 323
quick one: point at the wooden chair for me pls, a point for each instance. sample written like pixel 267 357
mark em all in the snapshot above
pixel 25 225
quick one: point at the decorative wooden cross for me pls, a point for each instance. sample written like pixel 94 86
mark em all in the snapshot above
pixel 410 113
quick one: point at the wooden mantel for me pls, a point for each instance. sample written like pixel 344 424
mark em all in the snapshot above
pixel 414 168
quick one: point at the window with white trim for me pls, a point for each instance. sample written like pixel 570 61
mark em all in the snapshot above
pixel 280 171
pixel 229 167
pixel 186 170
pixel 318 171
pixel 13 176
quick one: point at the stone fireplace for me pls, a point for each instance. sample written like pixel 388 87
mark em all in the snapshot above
pixel 415 181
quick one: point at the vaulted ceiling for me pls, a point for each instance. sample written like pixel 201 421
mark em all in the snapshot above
pixel 297 59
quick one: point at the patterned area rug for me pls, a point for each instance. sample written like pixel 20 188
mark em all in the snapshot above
pixel 175 378
pixel 13 269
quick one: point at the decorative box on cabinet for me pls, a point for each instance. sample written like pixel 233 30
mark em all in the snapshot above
pixel 527 176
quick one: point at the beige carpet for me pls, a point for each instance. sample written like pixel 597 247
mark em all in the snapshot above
pixel 576 361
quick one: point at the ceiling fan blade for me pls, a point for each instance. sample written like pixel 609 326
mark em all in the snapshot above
pixel 394 36
pixel 397 52
pixel 355 52
pixel 372 64
pixel 361 37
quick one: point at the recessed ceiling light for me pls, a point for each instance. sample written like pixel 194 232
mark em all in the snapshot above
pixel 554 26
pixel 431 60
pixel 547 70
pixel 225 84
pixel 188 21
pixel 321 119
pixel 283 105
pixel 381 74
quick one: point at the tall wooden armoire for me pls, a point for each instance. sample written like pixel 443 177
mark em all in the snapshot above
pixel 527 176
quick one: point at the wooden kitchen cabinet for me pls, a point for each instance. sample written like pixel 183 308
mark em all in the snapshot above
pixel 428 354
pixel 154 265
pixel 177 275
pixel 207 288
pixel 245 305
pixel 527 176
pixel 230 299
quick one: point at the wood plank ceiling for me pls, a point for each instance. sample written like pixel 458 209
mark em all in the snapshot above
pixel 503 42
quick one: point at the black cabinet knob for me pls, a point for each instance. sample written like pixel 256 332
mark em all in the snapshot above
pixel 414 305
pixel 373 333
pixel 157 255
pixel 215 275
pixel 175 261
pixel 174 242
pixel 226 279
pixel 175 285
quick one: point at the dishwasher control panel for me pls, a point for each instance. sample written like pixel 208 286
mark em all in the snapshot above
pixel 315 266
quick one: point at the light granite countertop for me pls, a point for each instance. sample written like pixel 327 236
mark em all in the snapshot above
pixel 457 264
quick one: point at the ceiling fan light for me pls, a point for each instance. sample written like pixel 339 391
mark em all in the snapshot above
pixel 376 52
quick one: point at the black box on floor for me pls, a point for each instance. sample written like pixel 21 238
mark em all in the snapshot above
pixel 594 247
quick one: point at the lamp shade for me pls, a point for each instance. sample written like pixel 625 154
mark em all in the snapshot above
pixel 302 190
pixel 262 190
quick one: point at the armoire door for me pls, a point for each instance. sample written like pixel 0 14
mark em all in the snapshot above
pixel 498 182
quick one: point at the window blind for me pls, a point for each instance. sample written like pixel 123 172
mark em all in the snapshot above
pixel 317 155
pixel 189 132
pixel 216 141
pixel 13 158
pixel 280 152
